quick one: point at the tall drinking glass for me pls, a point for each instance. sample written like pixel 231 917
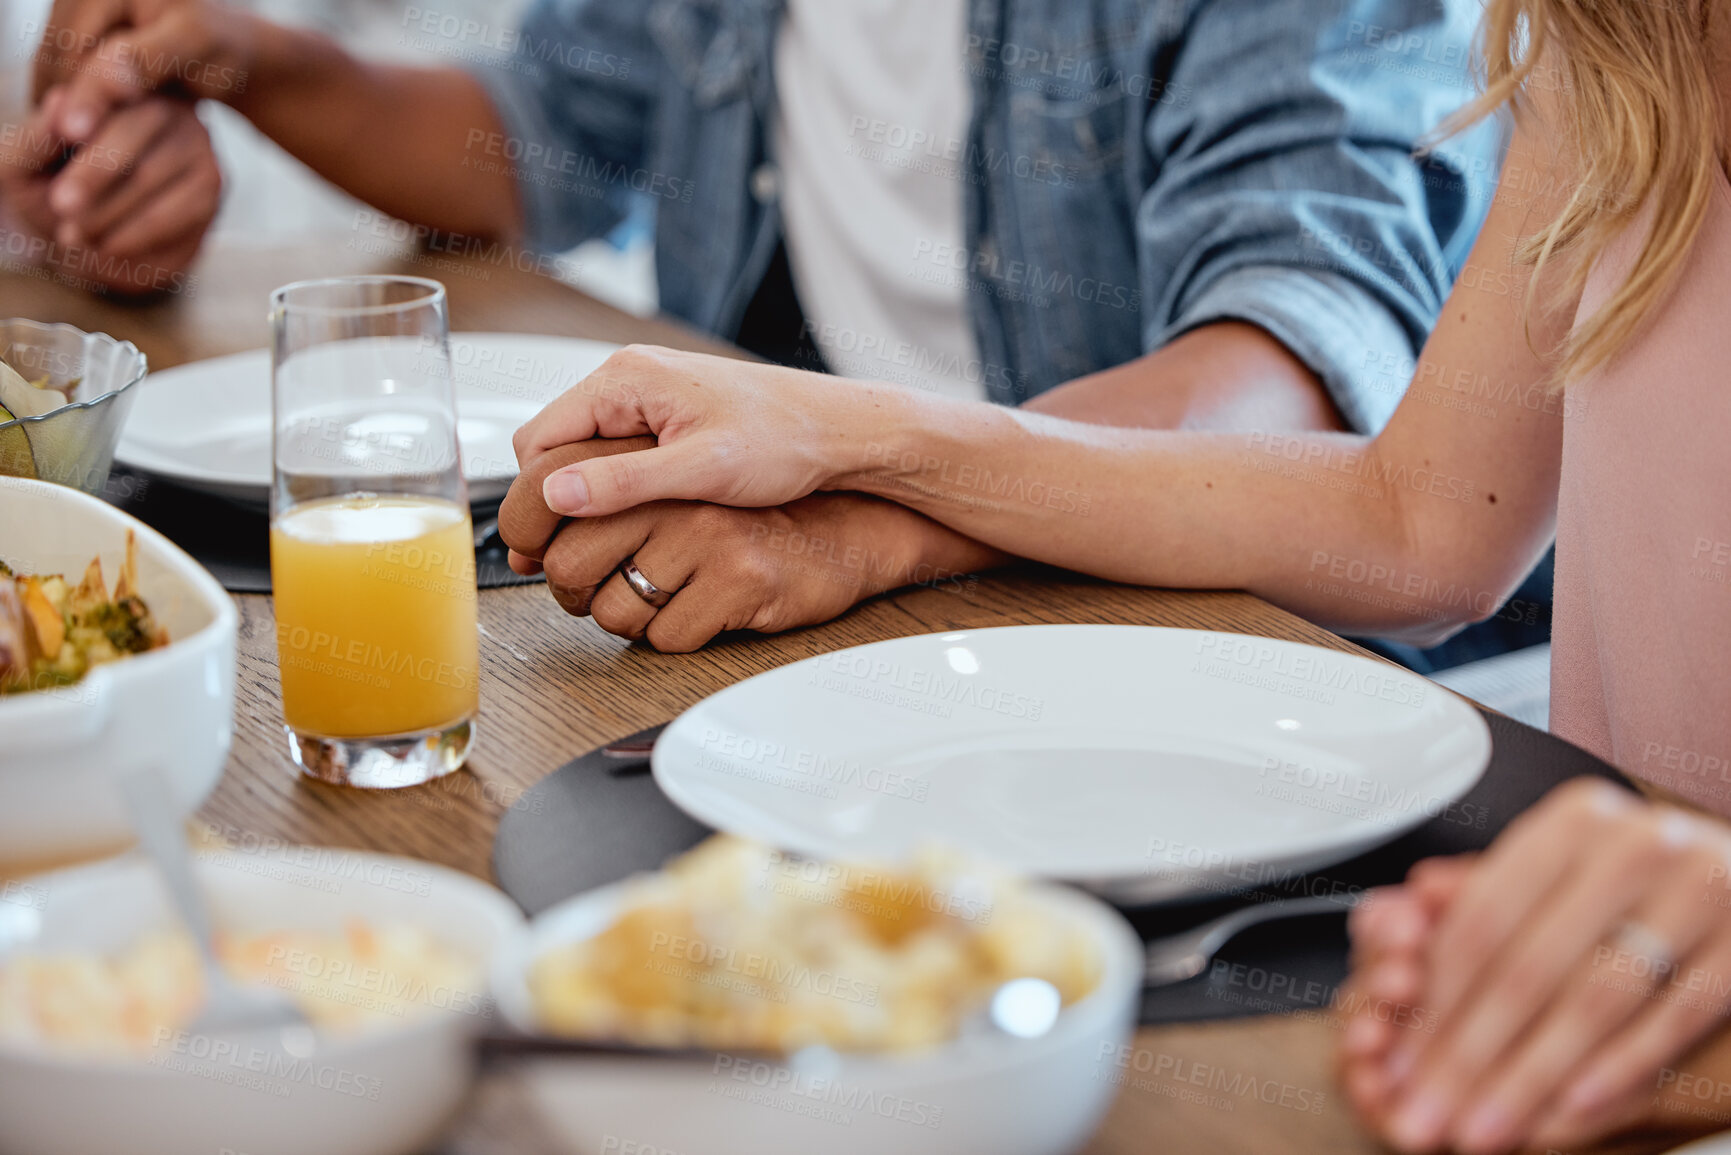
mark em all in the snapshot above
pixel 372 554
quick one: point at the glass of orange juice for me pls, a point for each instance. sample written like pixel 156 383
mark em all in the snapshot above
pixel 372 552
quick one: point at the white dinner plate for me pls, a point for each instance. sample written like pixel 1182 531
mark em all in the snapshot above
pixel 1147 764
pixel 206 424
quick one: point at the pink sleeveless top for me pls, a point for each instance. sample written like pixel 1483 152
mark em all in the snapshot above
pixel 1641 641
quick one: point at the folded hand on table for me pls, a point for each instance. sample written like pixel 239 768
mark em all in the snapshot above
pixel 728 569
pixel 1558 988
pixel 124 205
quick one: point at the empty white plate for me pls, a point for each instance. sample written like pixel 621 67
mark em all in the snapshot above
pixel 206 424
pixel 1148 764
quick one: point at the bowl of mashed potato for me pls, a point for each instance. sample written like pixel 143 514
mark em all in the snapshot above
pixel 99 990
pixel 743 999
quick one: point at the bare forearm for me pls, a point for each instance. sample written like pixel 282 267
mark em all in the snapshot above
pixel 1135 505
pixel 1412 535
pixel 1220 377
pixel 402 139
pixel 1225 376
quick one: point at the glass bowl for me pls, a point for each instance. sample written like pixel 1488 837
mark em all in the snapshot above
pixel 73 445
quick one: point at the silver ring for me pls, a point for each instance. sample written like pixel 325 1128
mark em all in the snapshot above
pixel 642 586
pixel 1641 941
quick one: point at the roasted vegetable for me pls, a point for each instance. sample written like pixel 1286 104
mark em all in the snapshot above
pixel 14 652
pixel 52 633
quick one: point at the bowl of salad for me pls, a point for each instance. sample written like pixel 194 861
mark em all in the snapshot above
pixel 64 396
pixel 117 655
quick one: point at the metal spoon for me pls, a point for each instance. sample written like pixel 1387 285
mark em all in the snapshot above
pixel 228 1007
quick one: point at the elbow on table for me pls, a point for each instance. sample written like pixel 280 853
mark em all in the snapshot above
pixel 1442 608
pixel 1417 591
pixel 1432 633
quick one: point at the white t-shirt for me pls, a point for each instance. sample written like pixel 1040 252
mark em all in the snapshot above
pixel 870 140
pixel 21 23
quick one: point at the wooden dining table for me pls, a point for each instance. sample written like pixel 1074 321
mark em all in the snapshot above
pixel 554 687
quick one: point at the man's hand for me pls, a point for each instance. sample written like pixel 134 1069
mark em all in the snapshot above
pixel 728 569
pixel 130 205
pixel 766 570
pixel 394 136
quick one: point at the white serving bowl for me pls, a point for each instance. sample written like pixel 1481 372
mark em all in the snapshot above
pixel 385 1091
pixel 170 710
pixel 988 1092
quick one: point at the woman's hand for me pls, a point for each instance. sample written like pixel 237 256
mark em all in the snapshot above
pixel 1585 952
pixel 730 432
pixel 1381 1001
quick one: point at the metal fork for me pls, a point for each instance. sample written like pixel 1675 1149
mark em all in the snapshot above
pixel 486 533
pixel 627 751
pixel 1185 955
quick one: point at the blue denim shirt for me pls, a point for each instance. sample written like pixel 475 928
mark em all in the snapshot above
pixel 1135 168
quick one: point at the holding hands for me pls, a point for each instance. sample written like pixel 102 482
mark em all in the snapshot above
pixel 1553 985
pixel 112 53
pixel 702 569
pixel 119 185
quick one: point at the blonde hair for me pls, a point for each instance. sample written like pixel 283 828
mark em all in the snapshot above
pixel 1634 80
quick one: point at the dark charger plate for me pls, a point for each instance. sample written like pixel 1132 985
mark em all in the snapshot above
pixel 598 819
pixel 233 541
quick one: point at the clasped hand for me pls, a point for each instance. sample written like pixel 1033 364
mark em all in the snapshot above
pixel 1537 995
pixel 118 185
pixel 770 568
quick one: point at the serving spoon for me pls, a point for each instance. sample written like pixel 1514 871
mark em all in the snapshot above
pixel 1021 1008
pixel 228 1006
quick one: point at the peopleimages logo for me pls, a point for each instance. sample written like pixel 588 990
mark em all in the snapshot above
pixel 884 893
pixel 748 750
pixel 344 980
pixel 1342 790
pixel 960 690
pixel 1119 1061
pixel 815 1096
pixel 256 1068
pixel 712 961
pixel 1262 656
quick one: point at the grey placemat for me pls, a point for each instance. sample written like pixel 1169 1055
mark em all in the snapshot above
pixel 597 819
pixel 233 541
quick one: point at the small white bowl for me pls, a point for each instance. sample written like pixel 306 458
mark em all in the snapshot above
pixel 170 710
pixel 381 1091
pixel 986 1093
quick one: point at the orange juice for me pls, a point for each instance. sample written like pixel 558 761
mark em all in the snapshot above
pixel 375 614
